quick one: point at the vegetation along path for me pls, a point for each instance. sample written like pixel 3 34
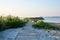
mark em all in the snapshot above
pixel 29 33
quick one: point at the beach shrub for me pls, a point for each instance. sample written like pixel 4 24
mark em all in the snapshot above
pixel 1 28
pixel 2 23
pixel 24 21
pixel 34 20
pixel 11 22
pixel 43 25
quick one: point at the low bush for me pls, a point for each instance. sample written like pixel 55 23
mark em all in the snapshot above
pixel 34 20
pixel 11 22
pixel 2 23
pixel 43 25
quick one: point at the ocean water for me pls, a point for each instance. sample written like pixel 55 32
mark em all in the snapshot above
pixel 52 19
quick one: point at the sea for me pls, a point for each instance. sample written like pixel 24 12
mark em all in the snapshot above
pixel 52 19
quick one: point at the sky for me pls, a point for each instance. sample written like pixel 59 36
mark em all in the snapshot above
pixel 30 8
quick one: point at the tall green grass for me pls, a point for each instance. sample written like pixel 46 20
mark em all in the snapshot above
pixel 11 22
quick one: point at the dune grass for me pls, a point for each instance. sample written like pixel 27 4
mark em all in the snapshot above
pixel 11 22
pixel 43 25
